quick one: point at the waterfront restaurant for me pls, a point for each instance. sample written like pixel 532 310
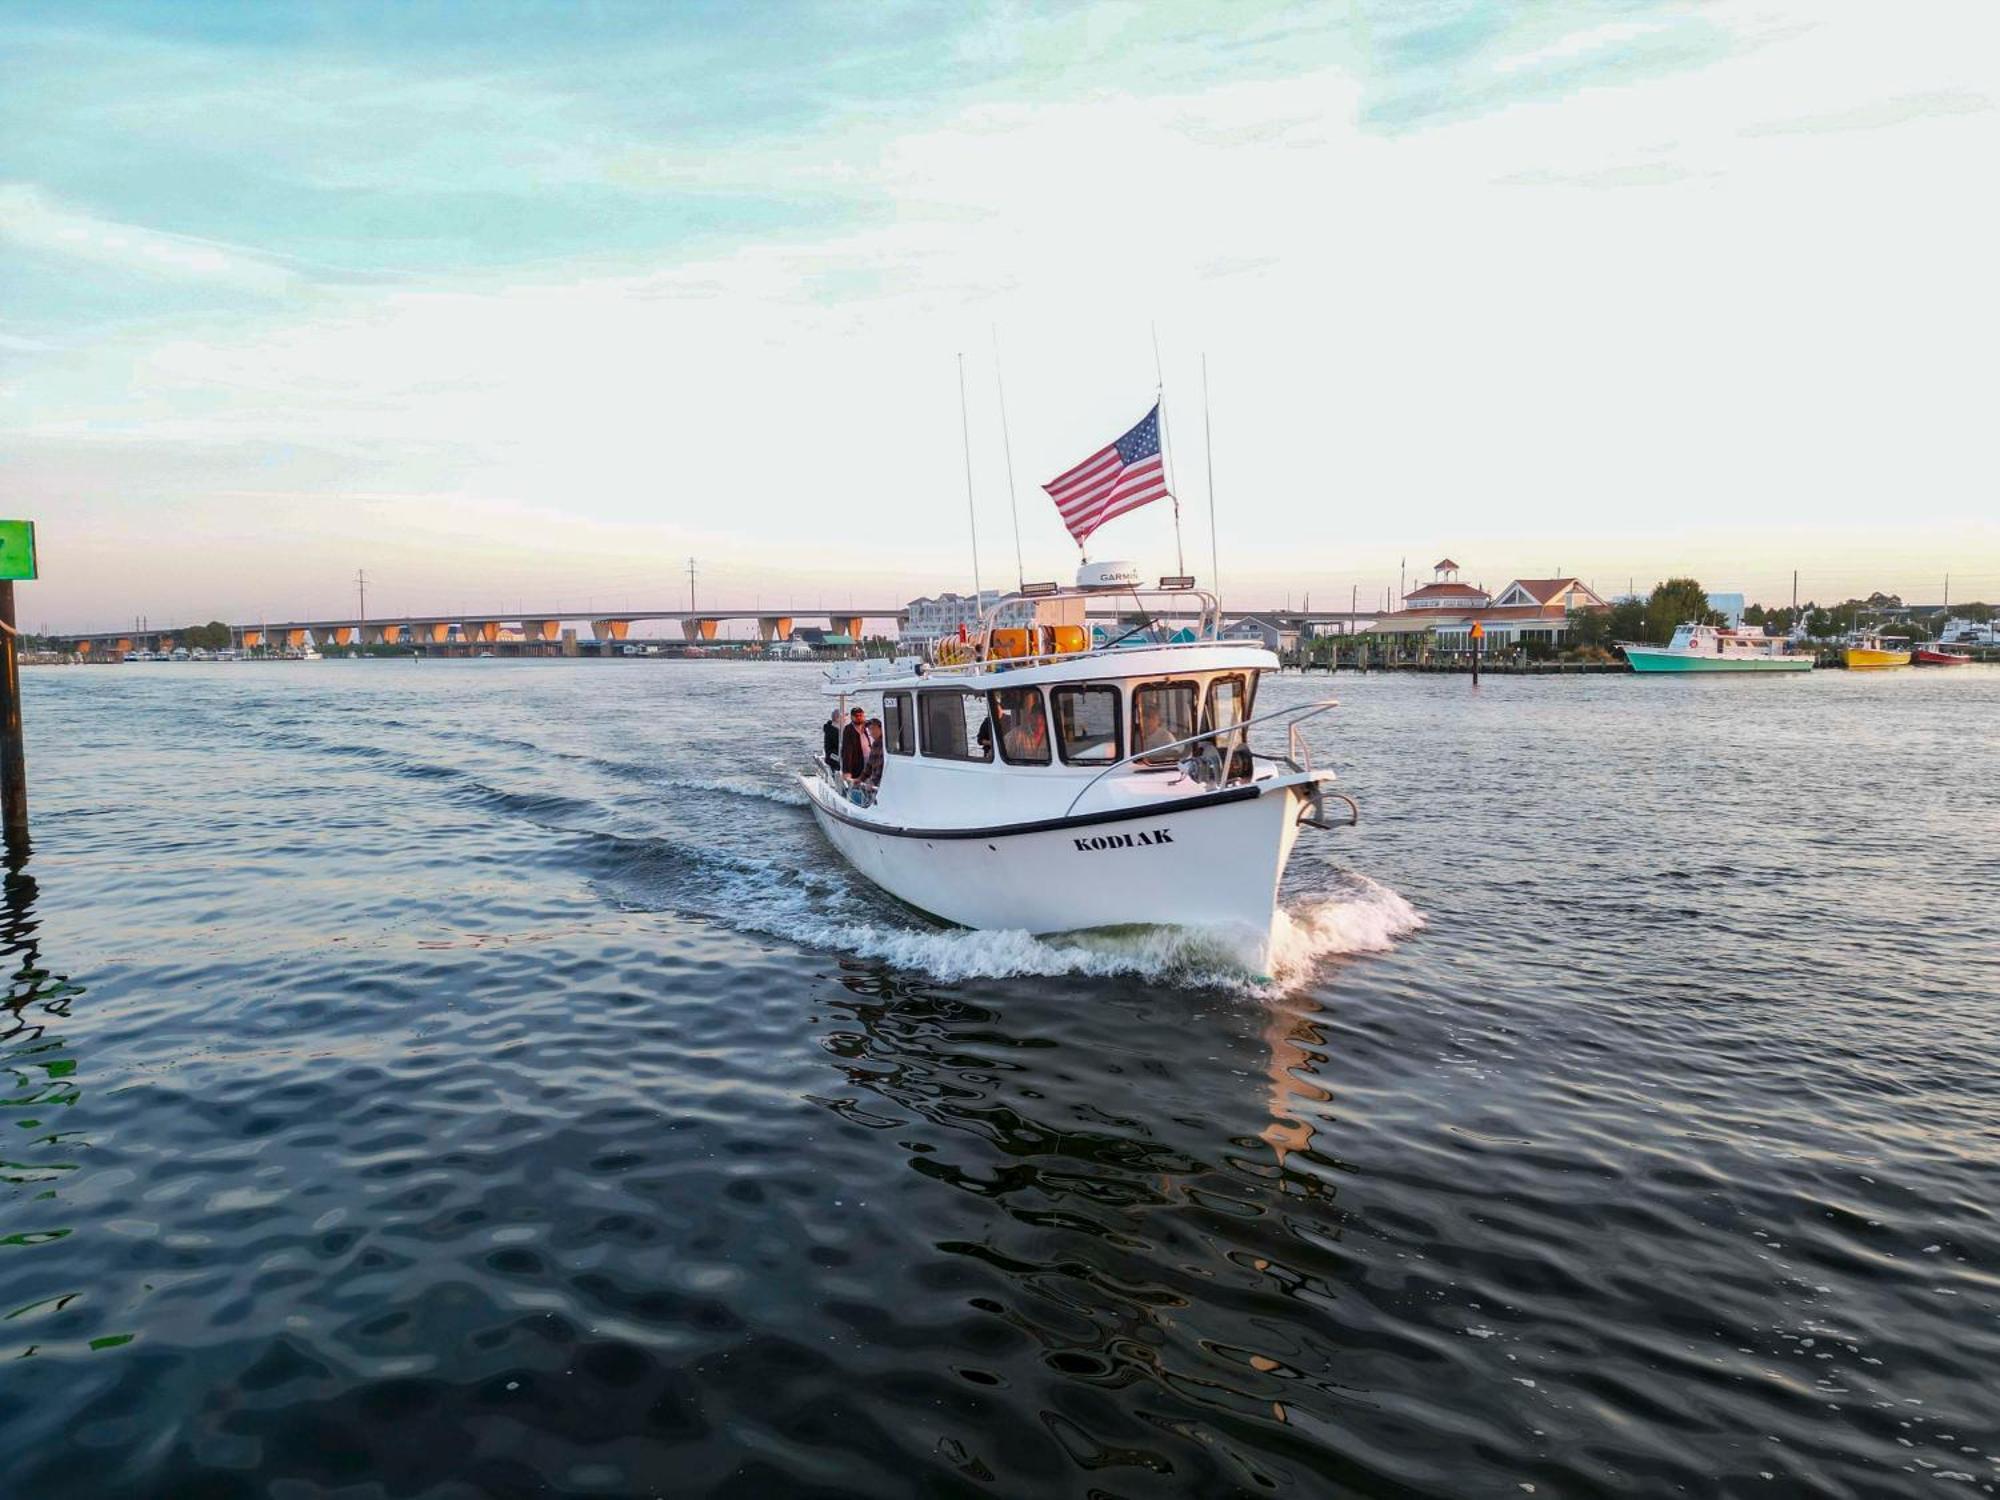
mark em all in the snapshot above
pixel 1527 612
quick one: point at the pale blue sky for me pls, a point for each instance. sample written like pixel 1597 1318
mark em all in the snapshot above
pixel 516 301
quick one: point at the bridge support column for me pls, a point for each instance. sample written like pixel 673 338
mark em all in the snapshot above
pixel 774 628
pixel 295 640
pixel 610 630
pixel 484 632
pixel 849 627
pixel 542 630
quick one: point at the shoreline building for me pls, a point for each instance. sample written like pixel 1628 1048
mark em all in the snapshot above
pixel 1528 611
pixel 927 619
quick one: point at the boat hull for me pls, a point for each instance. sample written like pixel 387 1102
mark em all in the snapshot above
pixel 1212 862
pixel 1925 658
pixel 1660 659
pixel 1873 658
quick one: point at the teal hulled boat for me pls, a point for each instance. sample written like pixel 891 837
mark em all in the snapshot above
pixel 1707 648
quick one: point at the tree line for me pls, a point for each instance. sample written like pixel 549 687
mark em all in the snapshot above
pixel 1681 601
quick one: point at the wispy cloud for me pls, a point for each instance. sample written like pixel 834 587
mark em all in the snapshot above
pixel 1879 114
pixel 31 219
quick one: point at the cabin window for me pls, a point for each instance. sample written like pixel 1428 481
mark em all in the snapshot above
pixel 955 726
pixel 1086 724
pixel 1162 712
pixel 1228 705
pixel 899 730
pixel 1022 726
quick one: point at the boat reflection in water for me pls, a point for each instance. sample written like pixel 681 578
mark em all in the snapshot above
pixel 1169 1237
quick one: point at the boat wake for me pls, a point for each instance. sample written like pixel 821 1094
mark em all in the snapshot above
pixel 1360 916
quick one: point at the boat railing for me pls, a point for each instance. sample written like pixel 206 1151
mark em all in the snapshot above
pixel 992 665
pixel 1298 713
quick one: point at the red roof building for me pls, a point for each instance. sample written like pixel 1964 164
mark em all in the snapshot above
pixel 1528 609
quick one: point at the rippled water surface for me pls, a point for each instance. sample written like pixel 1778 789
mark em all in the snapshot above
pixel 477 1078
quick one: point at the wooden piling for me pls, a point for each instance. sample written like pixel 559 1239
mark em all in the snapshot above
pixel 13 759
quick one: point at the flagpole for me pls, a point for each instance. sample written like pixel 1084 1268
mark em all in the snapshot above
pixel 971 516
pixel 1166 454
pixel 1007 443
pixel 1208 447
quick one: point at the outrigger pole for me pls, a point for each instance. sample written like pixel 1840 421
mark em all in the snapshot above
pixel 1208 448
pixel 1007 444
pixel 1167 454
pixel 971 515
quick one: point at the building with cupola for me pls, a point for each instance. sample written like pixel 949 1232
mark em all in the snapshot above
pixel 1528 611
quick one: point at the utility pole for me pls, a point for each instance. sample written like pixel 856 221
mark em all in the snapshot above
pixel 1795 591
pixel 690 585
pixel 361 588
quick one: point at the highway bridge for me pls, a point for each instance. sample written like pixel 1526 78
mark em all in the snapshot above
pixel 544 628
pixel 544 631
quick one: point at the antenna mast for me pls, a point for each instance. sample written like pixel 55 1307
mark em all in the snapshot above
pixel 690 585
pixel 1007 443
pixel 971 516
pixel 1208 447
pixel 1166 453
pixel 361 588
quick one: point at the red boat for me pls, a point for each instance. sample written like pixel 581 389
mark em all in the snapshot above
pixel 1937 656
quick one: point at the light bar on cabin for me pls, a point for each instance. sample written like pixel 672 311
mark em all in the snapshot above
pixel 1177 583
pixel 1034 590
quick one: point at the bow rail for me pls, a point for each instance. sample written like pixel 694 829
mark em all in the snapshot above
pixel 1295 743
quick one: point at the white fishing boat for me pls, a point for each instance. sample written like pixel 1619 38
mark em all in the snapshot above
pixel 1714 648
pixel 1036 779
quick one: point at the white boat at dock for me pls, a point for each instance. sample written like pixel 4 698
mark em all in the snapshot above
pixel 1034 780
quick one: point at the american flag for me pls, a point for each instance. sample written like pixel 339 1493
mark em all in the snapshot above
pixel 1120 477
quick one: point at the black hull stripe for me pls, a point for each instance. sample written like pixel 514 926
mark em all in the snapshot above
pixel 1049 825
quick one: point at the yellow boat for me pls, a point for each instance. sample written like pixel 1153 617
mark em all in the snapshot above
pixel 1868 652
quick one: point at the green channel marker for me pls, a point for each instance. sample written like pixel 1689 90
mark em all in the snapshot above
pixel 17 551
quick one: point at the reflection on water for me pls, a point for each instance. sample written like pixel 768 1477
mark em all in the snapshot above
pixel 37 1153
pixel 489 1083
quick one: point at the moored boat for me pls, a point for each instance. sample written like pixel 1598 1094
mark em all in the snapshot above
pixel 1032 779
pixel 1710 648
pixel 1937 654
pixel 1867 653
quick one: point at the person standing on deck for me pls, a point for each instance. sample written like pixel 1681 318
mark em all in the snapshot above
pixel 854 747
pixel 830 741
pixel 872 768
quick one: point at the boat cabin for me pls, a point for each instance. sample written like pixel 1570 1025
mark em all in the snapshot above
pixel 1020 718
pixel 1714 640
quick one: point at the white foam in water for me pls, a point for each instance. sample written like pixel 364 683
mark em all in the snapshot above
pixel 1363 916
pixel 787 795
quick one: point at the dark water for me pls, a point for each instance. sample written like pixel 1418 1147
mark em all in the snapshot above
pixel 453 1079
